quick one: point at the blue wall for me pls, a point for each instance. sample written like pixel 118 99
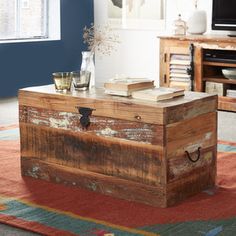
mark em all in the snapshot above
pixel 29 64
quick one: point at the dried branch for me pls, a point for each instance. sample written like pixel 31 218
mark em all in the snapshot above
pixel 100 39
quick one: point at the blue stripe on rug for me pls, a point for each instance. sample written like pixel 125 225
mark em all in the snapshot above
pixel 59 220
pixel 226 148
pixel 10 134
pixel 204 228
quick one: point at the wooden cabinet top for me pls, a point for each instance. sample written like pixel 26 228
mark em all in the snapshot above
pixel 202 38
pixel 162 112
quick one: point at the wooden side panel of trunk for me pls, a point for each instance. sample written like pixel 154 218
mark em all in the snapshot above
pixel 181 167
pixel 104 184
pixel 195 183
pixel 190 110
pixel 121 158
pixel 190 135
pixel 100 126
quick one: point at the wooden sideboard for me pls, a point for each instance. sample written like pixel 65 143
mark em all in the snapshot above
pixel 201 69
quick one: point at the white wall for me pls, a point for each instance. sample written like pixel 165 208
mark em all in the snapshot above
pixel 138 53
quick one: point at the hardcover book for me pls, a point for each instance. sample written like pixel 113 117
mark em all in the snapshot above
pixel 158 94
pixel 186 85
pixel 128 84
pixel 125 86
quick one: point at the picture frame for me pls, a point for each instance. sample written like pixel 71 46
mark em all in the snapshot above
pixel 137 14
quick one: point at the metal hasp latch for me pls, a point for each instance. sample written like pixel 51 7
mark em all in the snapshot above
pixel 190 70
pixel 85 118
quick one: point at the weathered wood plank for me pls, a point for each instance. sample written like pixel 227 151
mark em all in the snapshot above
pixel 105 105
pixel 227 103
pixel 141 163
pixel 189 110
pixel 198 69
pixel 223 40
pixel 104 184
pixel 188 186
pixel 191 134
pixel 163 64
pixel 100 126
pixel 181 167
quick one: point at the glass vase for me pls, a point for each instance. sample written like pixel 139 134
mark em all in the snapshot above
pixel 88 65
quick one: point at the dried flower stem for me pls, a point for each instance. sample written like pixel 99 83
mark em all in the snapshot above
pixel 100 39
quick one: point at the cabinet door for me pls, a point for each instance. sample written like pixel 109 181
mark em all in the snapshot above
pixel 174 62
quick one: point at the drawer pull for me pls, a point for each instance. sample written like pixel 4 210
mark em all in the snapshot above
pixel 198 155
pixel 85 116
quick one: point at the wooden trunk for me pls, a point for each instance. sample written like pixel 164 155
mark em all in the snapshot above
pixel 132 149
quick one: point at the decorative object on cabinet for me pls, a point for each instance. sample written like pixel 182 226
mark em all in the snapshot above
pixel 179 26
pixel 229 73
pixel 197 22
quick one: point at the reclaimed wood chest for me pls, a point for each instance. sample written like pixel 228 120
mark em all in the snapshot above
pixel 157 153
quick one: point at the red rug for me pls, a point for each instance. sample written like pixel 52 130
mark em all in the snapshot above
pixel 52 209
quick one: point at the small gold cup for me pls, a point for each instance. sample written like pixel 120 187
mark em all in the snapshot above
pixel 62 81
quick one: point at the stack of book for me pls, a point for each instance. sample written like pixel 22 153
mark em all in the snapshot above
pixel 216 88
pixel 126 86
pixel 179 63
pixel 158 94
pixel 231 93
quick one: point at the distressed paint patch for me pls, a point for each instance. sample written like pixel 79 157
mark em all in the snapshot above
pixel 208 157
pixel 136 134
pixel 35 169
pixel 59 123
pixel 214 46
pixel 93 186
pixel 208 135
pixel 67 114
pixel 107 131
pixel 99 126
pixel 38 122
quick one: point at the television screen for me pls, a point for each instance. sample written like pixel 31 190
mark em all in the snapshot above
pixel 224 15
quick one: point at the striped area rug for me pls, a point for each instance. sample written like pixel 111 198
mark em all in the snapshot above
pixel 52 209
